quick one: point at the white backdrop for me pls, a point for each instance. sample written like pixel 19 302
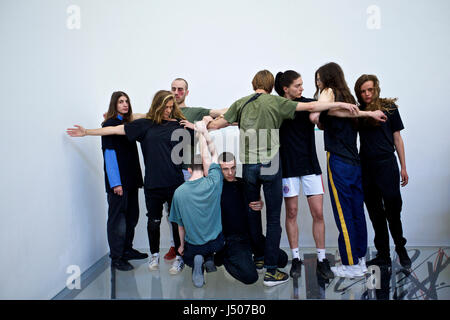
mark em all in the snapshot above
pixel 60 61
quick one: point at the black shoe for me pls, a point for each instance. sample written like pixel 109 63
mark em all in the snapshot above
pixel 323 268
pixel 405 261
pixel 121 264
pixel 296 268
pixel 380 260
pixel 210 266
pixel 133 254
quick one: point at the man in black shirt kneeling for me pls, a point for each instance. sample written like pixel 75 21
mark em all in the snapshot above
pixel 237 255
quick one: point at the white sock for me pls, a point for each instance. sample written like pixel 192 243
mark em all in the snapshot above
pixel 295 254
pixel 321 254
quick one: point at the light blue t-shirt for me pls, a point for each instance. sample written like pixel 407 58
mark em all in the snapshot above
pixel 196 206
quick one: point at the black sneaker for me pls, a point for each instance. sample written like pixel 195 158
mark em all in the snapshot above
pixel 210 266
pixel 121 264
pixel 133 254
pixel 296 268
pixel 273 279
pixel 323 268
pixel 380 260
pixel 405 261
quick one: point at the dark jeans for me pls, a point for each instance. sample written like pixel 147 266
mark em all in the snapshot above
pixel 272 187
pixel 123 215
pixel 207 250
pixel 381 186
pixel 236 256
pixel 154 200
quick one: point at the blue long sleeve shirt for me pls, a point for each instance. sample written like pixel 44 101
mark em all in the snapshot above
pixel 112 167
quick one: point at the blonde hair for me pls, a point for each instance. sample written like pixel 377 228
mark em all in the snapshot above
pixel 160 100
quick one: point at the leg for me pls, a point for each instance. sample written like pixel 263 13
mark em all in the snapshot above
pixel 339 175
pixel 315 203
pixel 313 190
pixel 176 235
pixel 116 225
pixel 375 208
pixel 359 217
pixel 272 186
pixel 154 199
pixel 392 198
pixel 291 221
pixel 238 261
pixel 132 217
pixel 252 193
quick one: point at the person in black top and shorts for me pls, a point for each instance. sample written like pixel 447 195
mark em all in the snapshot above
pixel 162 173
pixel 300 165
pixel 381 176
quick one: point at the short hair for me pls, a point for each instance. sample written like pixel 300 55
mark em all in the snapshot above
pixel 263 80
pixel 196 162
pixel 226 157
pixel 181 79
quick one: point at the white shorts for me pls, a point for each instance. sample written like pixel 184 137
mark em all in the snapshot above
pixel 312 185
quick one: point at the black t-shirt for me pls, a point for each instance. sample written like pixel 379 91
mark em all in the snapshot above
pixel 234 208
pixel 156 144
pixel 298 145
pixel 127 158
pixel 377 141
pixel 340 137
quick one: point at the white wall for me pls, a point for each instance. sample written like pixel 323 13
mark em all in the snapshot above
pixel 53 203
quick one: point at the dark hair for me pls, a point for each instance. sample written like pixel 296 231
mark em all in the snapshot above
pixel 196 162
pixel 285 80
pixel 332 76
pixel 112 110
pixel 226 157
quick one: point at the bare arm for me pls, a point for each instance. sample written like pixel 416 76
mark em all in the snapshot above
pixel 400 147
pixel 79 131
pixel 182 233
pixel 217 112
pixel 377 115
pixel 316 106
pixel 207 147
pixel 218 123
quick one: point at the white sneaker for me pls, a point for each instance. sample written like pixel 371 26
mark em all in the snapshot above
pixel 177 266
pixel 154 262
pixel 362 265
pixel 344 271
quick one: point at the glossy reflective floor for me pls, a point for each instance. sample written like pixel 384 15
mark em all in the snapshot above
pixel 429 278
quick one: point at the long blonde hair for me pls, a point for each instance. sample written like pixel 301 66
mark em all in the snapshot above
pixel 158 106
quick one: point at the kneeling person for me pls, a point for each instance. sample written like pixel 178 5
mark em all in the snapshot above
pixel 236 256
pixel 196 210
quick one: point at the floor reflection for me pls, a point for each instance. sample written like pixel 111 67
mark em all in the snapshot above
pixel 428 279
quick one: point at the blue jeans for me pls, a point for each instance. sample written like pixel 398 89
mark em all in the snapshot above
pixel 272 187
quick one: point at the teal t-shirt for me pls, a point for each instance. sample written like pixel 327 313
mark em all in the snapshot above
pixel 196 206
pixel 261 120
